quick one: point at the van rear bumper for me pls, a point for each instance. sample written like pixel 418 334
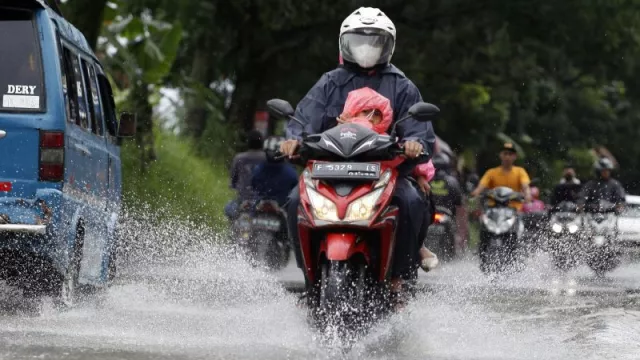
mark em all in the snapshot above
pixel 23 229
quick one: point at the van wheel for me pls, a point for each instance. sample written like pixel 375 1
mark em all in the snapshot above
pixel 68 292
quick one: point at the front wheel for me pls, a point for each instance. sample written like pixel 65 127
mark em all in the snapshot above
pixel 604 260
pixel 272 252
pixel 500 255
pixel 344 295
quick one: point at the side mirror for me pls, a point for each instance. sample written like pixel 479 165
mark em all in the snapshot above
pixel 127 126
pixel 280 107
pixel 423 111
pixel 2 134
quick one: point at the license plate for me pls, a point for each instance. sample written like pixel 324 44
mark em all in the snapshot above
pixel 343 171
pixel 267 224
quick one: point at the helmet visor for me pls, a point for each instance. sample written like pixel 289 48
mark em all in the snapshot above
pixel 366 47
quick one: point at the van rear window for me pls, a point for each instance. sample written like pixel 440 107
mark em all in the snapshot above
pixel 21 81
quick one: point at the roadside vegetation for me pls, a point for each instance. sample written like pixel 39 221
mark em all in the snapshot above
pixel 190 186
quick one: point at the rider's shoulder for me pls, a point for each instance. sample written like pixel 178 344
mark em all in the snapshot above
pixel 341 74
pixel 520 169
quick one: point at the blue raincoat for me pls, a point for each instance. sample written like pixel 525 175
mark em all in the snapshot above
pixel 325 102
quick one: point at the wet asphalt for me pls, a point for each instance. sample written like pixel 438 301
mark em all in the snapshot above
pixel 212 305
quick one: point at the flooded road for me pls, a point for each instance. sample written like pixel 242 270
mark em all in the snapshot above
pixel 208 304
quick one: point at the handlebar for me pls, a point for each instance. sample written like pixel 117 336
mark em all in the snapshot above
pixel 396 151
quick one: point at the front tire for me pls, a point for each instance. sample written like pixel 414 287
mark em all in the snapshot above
pixel 604 260
pixel 346 299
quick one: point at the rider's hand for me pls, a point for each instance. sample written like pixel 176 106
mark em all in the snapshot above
pixel 424 184
pixel 288 147
pixel 412 149
pixel 344 118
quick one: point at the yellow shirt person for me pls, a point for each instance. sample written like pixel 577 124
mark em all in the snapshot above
pixel 506 174
pixel 515 178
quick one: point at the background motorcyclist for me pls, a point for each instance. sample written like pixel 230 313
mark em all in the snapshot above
pixel 273 179
pixel 602 187
pixel 568 189
pixel 367 42
pixel 445 188
pixel 242 168
pixel 507 174
pixel 536 205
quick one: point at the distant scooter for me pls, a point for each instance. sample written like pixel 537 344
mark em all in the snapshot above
pixel 261 232
pixel 602 249
pixel 501 231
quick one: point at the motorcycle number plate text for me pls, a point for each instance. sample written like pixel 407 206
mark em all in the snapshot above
pixel 352 171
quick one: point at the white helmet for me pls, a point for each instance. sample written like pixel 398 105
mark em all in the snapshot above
pixel 367 38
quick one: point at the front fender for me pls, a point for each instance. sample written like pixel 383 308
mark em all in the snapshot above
pixel 341 246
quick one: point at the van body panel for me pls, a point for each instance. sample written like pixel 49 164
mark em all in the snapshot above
pixel 90 191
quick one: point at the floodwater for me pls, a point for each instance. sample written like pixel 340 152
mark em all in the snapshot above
pixel 201 301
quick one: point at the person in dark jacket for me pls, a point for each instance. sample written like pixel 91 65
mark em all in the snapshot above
pixel 603 187
pixel 568 189
pixel 241 169
pixel 445 188
pixel 273 179
pixel 366 42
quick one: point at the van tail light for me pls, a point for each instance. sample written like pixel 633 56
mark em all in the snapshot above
pixel 51 156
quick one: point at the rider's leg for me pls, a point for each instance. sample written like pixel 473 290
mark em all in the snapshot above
pixel 428 260
pixel 412 213
pixel 292 224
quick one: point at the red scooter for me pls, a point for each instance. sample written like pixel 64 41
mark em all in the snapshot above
pixel 346 223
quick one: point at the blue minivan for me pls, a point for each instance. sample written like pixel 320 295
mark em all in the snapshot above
pixel 60 169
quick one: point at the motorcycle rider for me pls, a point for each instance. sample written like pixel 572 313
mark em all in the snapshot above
pixel 602 187
pixel 241 171
pixel 568 188
pixel 369 108
pixel 445 188
pixel 506 174
pixel 536 205
pixel 366 43
pixel 274 178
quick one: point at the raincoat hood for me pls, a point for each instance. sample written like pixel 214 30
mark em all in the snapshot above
pixel 368 99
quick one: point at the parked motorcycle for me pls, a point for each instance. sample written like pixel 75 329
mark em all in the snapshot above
pixel 564 235
pixel 501 230
pixel 441 234
pixel 261 232
pixel 603 252
pixel 346 222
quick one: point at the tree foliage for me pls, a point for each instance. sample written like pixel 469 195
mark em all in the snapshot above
pixel 556 77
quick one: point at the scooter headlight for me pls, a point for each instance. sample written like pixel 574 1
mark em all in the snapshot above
pixel 573 228
pixel 323 208
pixel 557 228
pixel 364 207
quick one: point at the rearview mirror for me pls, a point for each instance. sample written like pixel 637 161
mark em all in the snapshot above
pixel 423 111
pixel 280 107
pixel 127 127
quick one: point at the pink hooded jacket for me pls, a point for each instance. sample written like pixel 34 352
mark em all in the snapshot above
pixel 368 99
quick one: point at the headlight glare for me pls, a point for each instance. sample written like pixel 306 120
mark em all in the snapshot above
pixel 557 228
pixel 573 228
pixel 322 208
pixel 364 207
